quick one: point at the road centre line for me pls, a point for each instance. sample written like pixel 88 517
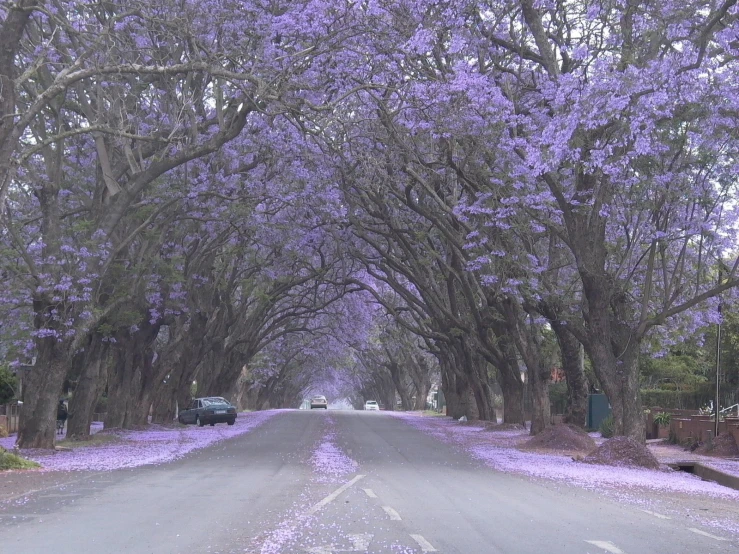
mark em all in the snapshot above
pixel 607 546
pixel 395 516
pixel 331 497
pixel 370 493
pixel 655 514
pixel 703 533
pixel 423 543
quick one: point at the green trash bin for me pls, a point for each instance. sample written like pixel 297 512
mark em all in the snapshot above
pixel 598 410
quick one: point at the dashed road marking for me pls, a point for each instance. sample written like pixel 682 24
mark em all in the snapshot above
pixel 423 543
pixel 392 514
pixel 370 493
pixel 331 497
pixel 607 546
pixel 360 543
pixel 655 514
pixel 703 533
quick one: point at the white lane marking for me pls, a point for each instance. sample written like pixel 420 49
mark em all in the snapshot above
pixel 655 514
pixel 360 543
pixel 607 546
pixel 391 513
pixel 370 493
pixel 423 543
pixel 331 497
pixel 709 535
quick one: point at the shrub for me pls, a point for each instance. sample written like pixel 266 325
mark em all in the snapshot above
pixel 662 419
pixel 607 427
pixel 8 384
pixel 12 461
pixel 3 432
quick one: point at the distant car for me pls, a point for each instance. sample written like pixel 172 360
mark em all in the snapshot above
pixel 372 405
pixel 209 410
pixel 319 402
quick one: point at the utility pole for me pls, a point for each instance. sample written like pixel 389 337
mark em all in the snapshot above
pixel 718 357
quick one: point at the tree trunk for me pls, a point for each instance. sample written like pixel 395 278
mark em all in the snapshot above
pixel 572 365
pixel 41 389
pixel 512 390
pixel 88 389
pixel 396 373
pixel 541 417
pixel 480 385
pixel 131 378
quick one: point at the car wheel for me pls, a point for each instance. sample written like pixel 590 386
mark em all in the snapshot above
pixel 198 421
pixel 212 424
pixel 231 422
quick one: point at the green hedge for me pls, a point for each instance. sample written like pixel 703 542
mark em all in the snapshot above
pixel 687 400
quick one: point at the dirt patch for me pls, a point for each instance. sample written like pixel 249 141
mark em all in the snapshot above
pixel 622 452
pixel 561 437
pixel 724 446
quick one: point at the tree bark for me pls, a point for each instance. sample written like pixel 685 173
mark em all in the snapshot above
pixel 88 389
pixel 396 372
pixel 572 365
pixel 41 390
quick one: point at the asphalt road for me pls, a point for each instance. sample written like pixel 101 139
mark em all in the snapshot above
pixel 259 493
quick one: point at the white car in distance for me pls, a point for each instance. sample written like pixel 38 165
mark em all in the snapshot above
pixel 372 405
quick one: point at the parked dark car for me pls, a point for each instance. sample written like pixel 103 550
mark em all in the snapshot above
pixel 210 410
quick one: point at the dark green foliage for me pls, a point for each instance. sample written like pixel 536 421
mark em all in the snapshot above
pixel 11 461
pixel 607 427
pixel 8 385
pixel 662 419
pixel 558 397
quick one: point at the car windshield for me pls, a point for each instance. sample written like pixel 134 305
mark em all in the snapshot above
pixel 320 398
pixel 214 401
pixel 371 403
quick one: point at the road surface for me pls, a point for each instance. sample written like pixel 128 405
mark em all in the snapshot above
pixel 260 493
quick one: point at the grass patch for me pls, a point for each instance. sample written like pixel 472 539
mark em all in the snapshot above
pixel 95 440
pixel 12 461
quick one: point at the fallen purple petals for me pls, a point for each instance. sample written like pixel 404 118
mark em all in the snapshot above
pixel 498 450
pixel 155 445
pixel 328 460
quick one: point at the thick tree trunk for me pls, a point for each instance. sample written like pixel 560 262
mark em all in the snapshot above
pixel 41 389
pixel 512 390
pixel 480 385
pixel 131 378
pixel 419 374
pixel 396 373
pixel 88 389
pixel 542 415
pixel 465 399
pixel 572 365
pixel 624 394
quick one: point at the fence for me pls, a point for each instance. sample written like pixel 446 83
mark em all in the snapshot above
pixel 9 414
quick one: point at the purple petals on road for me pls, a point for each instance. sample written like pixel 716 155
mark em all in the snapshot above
pixel 497 449
pixel 155 445
pixel 328 460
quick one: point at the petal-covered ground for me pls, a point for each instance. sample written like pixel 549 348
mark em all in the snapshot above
pixel 328 460
pixel 498 449
pixel 155 445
